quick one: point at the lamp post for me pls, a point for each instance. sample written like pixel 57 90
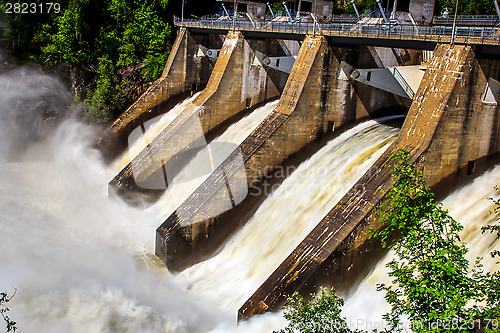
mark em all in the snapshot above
pixel 182 14
pixel 453 30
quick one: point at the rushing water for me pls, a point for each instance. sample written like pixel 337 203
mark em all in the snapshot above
pixel 82 262
pixel 152 131
pixel 288 215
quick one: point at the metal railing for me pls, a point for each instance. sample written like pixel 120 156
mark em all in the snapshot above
pixel 401 80
pixel 376 57
pixel 436 34
pixel 468 20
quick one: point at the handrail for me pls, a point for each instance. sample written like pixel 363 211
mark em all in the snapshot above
pixel 468 20
pixel 375 56
pixel 404 84
pixel 441 34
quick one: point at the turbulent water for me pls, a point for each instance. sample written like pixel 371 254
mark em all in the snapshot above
pixel 153 130
pixel 82 262
pixel 288 215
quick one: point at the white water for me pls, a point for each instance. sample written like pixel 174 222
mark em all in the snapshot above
pixel 469 206
pixel 220 148
pixel 288 215
pixel 80 261
pixel 152 132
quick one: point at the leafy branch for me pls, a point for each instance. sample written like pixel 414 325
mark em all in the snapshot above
pixel 4 299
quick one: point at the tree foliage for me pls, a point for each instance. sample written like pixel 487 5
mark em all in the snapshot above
pixel 320 314
pixel 433 286
pixel 104 39
pixel 10 325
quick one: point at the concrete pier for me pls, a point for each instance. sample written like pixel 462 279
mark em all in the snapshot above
pixel 183 72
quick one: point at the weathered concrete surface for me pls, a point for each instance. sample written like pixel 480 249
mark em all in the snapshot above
pixel 183 71
pixel 314 101
pixel 233 86
pixel 441 132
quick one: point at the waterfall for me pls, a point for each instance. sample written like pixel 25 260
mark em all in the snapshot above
pixel 84 262
pixel 152 131
pixel 203 163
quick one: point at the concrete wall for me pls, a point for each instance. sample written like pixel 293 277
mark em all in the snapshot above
pixel 446 126
pixel 256 10
pixel 322 9
pixel 184 71
pixel 422 10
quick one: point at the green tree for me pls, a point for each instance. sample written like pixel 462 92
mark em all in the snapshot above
pixel 465 7
pixel 10 325
pixel 125 39
pixel 321 314
pixel 432 285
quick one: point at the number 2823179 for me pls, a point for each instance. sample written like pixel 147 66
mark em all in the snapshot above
pixel 32 8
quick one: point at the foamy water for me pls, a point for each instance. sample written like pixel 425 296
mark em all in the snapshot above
pixel 82 262
pixel 184 184
pixel 156 126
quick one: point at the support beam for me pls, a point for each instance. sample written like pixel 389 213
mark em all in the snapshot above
pixel 399 80
pixel 283 64
pixel 206 52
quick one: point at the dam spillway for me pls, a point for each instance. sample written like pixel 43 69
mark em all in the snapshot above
pixel 457 94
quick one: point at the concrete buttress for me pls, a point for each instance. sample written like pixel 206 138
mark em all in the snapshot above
pixel 181 72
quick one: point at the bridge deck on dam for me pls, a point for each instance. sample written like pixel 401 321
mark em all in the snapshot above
pixel 485 38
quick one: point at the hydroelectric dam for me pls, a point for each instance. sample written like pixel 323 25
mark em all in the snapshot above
pixel 277 86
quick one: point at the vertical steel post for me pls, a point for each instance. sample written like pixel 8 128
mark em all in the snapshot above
pixel 182 14
pixel 453 32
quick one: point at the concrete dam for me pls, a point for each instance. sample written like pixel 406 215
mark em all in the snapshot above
pixel 272 96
